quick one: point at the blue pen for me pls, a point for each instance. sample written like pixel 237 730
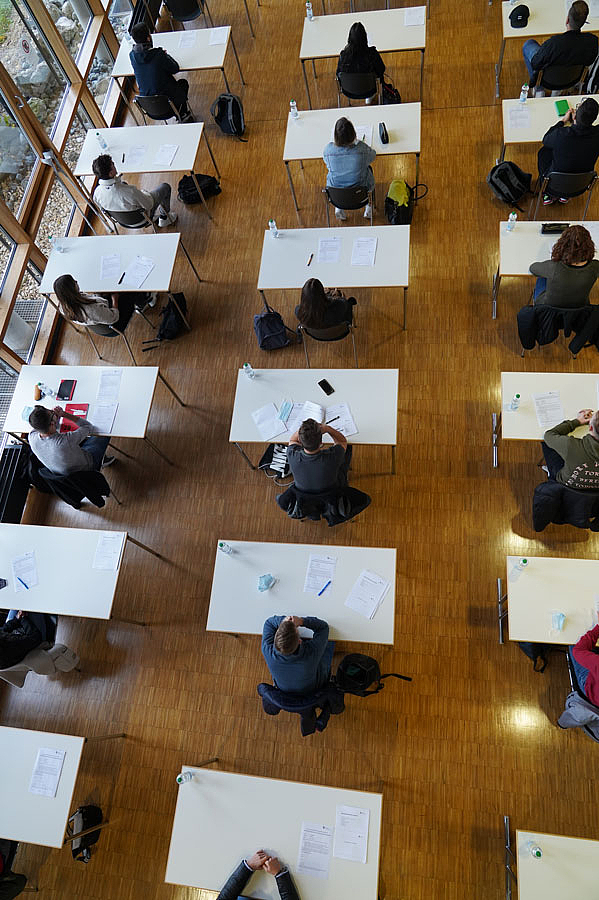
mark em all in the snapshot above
pixel 319 593
pixel 27 586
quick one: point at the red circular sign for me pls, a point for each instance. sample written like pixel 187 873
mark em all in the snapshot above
pixel 25 45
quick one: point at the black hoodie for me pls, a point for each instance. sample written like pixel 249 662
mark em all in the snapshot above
pixel 154 70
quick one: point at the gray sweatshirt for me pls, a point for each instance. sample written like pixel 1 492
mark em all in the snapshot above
pixel 568 287
pixel 61 453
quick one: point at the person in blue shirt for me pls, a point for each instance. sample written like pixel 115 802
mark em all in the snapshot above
pixel 348 161
pixel 297 665
pixel 246 868
pixel 154 69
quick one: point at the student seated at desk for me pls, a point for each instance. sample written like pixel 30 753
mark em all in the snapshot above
pixel 21 633
pixel 246 868
pixel 358 58
pixel 585 657
pixel 115 195
pixel 566 279
pixel 572 48
pixel 92 309
pixel 572 145
pixel 154 69
pixel 297 665
pixel 317 467
pixel 323 309
pixel 73 451
pixel 348 161
pixel 570 460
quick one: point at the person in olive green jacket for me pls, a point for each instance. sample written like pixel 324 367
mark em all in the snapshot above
pixel 570 460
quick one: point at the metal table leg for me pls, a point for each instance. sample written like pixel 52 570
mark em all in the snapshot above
pixel 228 89
pixel 172 297
pixel 498 67
pixel 211 155
pixel 144 547
pixel 291 186
pixel 421 71
pixel 306 83
pixel 501 610
pixel 496 419
pixel 405 304
pixel 156 450
pixel 193 268
pixel 200 192
pixel 169 388
pixel 393 449
pixel 247 12
pixel 501 154
pixel 314 69
pixel 417 171
pixel 236 58
pixel 126 100
pixel 245 456
pixel 495 293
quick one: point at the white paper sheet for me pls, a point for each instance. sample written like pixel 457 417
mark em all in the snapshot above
pixel 267 421
pixel 519 116
pixel 187 39
pixel 415 15
pixel 364 133
pixel 592 228
pixel 549 409
pixel 320 570
pixel 295 418
pixel 110 267
pixel 329 250
pixel 24 568
pixel 133 156
pixel 313 411
pixel 593 8
pixel 109 387
pixel 101 415
pixel 367 594
pixel 108 550
pixel 46 772
pixel 315 850
pixel 165 155
pixel 363 251
pixel 137 271
pixel 351 833
pixel 219 35
pixel 343 420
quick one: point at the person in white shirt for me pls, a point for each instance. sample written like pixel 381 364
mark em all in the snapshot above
pixel 115 195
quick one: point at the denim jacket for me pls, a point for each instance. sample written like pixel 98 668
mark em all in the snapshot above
pixel 349 165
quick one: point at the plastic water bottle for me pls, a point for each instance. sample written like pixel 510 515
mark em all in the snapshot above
pixel 521 564
pixel 309 13
pixel 226 548
pixel 101 141
pixel 184 777
pixel 515 401
pixel 293 109
pixel 534 850
pixel 247 370
pixel 57 244
pixel 46 391
pixel 274 231
pixel 511 221
pixel 524 93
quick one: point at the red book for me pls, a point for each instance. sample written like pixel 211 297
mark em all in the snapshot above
pixel 75 409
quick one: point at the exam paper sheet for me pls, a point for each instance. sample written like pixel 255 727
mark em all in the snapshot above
pixel 339 417
pixel 219 35
pixel 519 116
pixel 108 550
pixel 321 569
pixel 165 155
pixel 315 850
pixel 267 421
pixel 101 416
pixel 363 251
pixel 24 569
pixel 187 39
pixel 46 772
pixel 134 155
pixel 329 250
pixel 137 271
pixel 110 267
pixel 109 387
pixel 351 833
pixel 549 409
pixel 367 594
pixel 415 15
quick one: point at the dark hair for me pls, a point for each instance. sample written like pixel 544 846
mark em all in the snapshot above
pixel 72 301
pixel 587 112
pixel 140 33
pixel 286 638
pixel 102 165
pixel 574 246
pixel 578 14
pixel 357 43
pixel 310 435
pixel 40 418
pixel 311 310
pixel 345 133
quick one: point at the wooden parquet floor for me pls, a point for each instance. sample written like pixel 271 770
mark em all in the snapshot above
pixel 473 737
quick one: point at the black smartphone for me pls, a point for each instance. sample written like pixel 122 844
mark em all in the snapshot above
pixel 324 384
pixel 66 389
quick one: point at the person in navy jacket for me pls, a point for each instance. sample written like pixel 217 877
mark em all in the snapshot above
pixel 246 868
pixel 298 665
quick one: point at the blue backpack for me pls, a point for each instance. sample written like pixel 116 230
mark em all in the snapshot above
pixel 270 329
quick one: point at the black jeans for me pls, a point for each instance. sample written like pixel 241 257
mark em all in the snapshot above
pixel 553 460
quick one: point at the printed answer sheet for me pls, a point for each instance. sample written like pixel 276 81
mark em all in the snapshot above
pixel 315 850
pixel 351 833
pixel 137 271
pixel 267 421
pixel 329 250
pixel 320 570
pixel 24 571
pixel 367 594
pixel 110 267
pixel 46 772
pixel 110 386
pixel 549 409
pixel 108 550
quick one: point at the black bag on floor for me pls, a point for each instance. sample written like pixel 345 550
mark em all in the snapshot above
pixel 357 672
pixel 227 111
pixel 509 183
pixel 271 331
pixel 188 193
pixel 172 323
pixel 389 93
pixel 84 817
pixel 536 652
pixel 400 213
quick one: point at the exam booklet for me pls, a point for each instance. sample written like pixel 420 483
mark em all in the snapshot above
pixel 339 416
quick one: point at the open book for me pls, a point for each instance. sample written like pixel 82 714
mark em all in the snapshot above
pixel 338 416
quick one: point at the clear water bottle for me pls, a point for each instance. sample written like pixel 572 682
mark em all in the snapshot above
pixel 184 777
pixel 524 93
pixel 274 231
pixel 309 13
pixel 515 401
pixel 101 141
pixel 226 548
pixel 293 109
pixel 511 221
pixel 57 244
pixel 534 850
pixel 45 390
pixel 247 370
pixel 521 564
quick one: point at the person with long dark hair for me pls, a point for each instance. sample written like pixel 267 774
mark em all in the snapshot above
pixel 92 309
pixel 348 161
pixel 566 279
pixel 357 57
pixel 323 309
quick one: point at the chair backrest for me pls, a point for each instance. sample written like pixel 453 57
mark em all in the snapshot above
pixel 102 329
pixel 157 106
pixel 354 197
pixel 357 85
pixel 558 78
pixel 332 333
pixel 185 10
pixel 569 184
pixel 134 218
pixel 572 673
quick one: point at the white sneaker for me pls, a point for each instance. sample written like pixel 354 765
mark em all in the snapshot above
pixel 367 211
pixel 545 469
pixel 170 219
pixel 153 299
pixel 340 214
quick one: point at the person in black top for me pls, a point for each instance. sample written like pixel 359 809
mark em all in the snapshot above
pixel 573 149
pixel 358 57
pixel 21 633
pixel 323 309
pixel 573 48
pixel 154 69
pixel 318 467
pixel 246 868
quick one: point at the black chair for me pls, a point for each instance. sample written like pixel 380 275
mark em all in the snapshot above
pixel 159 106
pixel 335 506
pixel 355 197
pixel 131 219
pixel 75 487
pixel 541 325
pixel 356 86
pixel 188 10
pixel 554 502
pixel 329 700
pixel 565 184
pixel 560 78
pixel 332 333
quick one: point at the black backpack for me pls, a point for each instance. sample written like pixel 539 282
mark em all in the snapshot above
pixel 84 817
pixel 270 329
pixel 188 193
pixel 172 322
pixel 389 93
pixel 357 672
pixel 509 183
pixel 227 111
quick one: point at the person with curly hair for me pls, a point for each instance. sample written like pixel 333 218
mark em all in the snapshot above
pixel 566 279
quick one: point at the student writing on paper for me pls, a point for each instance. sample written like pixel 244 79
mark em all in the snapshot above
pixel 246 868
pixel 318 467
pixel 73 451
pixel 566 279
pixel 297 665
pixel 115 195
pixel 572 48
pixel 358 58
pixel 348 161
pixel 320 308
pixel 23 632
pixel 154 69
pixel 571 149
pixel 570 460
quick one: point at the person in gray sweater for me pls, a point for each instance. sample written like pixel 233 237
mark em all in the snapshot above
pixel 72 451
pixel 566 279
